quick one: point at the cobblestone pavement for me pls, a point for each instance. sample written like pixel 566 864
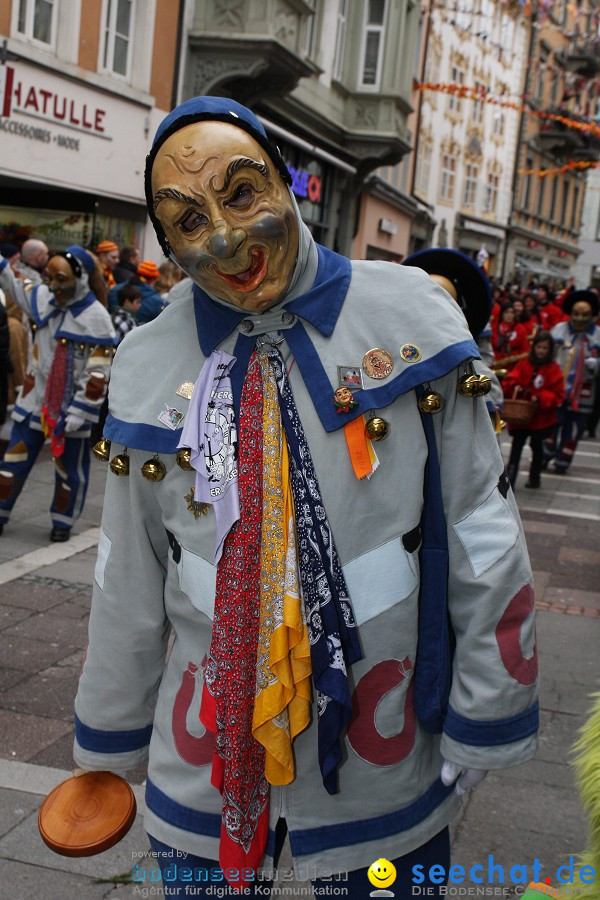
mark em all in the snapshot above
pixel 515 815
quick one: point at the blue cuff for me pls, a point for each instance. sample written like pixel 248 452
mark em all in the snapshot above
pixel 140 436
pixel 492 732
pixel 98 741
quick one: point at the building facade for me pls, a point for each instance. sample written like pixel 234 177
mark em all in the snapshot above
pixel 465 146
pixel 561 93
pixel 329 80
pixel 83 85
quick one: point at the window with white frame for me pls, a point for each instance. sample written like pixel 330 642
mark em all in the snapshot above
pixel 311 31
pixel 471 176
pixel 36 19
pixel 457 76
pixel 506 38
pixel 447 177
pixel 373 38
pixel 491 193
pixel 526 184
pixel 575 205
pixel 340 40
pixel 424 167
pixel 499 122
pixel 118 37
pixel 485 19
pixel 478 104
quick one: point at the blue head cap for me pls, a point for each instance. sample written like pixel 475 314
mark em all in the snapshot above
pixel 82 257
pixel 202 109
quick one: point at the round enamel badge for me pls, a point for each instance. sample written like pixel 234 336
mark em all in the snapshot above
pixel 377 363
pixel 410 353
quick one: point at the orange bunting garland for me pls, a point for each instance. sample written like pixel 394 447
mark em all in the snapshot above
pixel 473 93
pixel 572 164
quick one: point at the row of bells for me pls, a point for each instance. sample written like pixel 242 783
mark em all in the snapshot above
pixel 153 469
pixel 469 385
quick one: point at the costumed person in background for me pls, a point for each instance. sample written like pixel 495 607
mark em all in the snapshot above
pixel 587 775
pixel 548 313
pixel 65 385
pixel 577 353
pixel 6 366
pixel 314 686
pixel 468 285
pixel 510 339
pixel 540 379
pixel 108 254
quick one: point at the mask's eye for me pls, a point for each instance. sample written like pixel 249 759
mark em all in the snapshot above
pixel 241 197
pixel 192 220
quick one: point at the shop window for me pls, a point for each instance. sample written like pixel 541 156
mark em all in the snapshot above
pixel 117 37
pixel 36 19
pixel 448 177
pixel 372 52
pixel 340 40
pixel 471 176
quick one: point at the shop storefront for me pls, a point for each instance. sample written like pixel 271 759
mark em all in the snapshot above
pixel 71 161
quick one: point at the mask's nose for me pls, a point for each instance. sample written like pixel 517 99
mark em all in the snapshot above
pixel 224 240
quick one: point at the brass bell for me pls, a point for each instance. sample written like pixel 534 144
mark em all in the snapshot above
pixel 153 469
pixel 468 385
pixel 101 450
pixel 119 465
pixel 485 385
pixel 377 428
pixel 183 459
pixel 431 403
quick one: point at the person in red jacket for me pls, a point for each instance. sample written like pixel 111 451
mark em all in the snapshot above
pixel 549 314
pixel 540 379
pixel 510 337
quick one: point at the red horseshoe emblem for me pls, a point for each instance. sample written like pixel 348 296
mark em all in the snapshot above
pixel 363 735
pixel 508 636
pixel 197 751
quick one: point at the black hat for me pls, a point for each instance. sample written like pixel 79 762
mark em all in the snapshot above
pixel 471 282
pixel 576 297
pixel 9 250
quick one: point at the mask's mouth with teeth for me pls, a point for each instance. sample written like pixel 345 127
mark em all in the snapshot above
pixel 249 279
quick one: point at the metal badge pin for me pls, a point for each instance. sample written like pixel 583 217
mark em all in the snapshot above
pixel 198 509
pixel 350 377
pixel 377 363
pixel 185 390
pixel 410 353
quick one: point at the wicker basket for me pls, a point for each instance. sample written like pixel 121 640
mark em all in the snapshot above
pixel 518 412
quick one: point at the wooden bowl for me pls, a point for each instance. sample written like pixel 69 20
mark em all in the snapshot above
pixel 87 814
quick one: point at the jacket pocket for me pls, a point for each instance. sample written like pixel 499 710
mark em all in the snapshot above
pixel 381 578
pixel 198 580
pixel 487 533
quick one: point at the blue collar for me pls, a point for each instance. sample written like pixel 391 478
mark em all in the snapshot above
pixel 74 308
pixel 589 330
pixel 320 305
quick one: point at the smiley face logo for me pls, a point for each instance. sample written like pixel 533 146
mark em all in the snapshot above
pixel 381 874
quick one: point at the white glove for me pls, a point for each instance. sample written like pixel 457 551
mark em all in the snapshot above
pixel 466 779
pixel 73 422
pixel 591 363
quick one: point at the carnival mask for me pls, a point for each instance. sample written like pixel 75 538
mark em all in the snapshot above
pixel 581 315
pixel 227 214
pixel 61 280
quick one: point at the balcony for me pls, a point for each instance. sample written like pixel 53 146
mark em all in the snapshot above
pixel 562 142
pixel 583 59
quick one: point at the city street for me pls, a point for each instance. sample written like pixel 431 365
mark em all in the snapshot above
pixel 515 815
